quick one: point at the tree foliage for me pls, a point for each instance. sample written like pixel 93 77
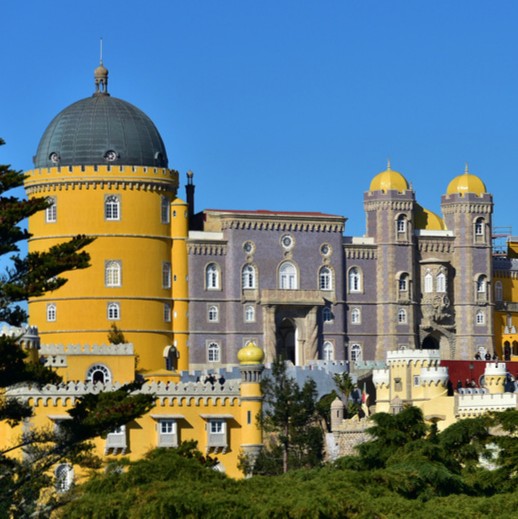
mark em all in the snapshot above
pixel 24 477
pixel 292 423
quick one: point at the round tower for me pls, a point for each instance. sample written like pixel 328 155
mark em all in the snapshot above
pixel 251 366
pixel 495 375
pixel 103 166
pixel 467 209
pixel 381 380
pixel 337 413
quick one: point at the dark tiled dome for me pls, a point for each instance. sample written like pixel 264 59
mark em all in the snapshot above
pixel 101 130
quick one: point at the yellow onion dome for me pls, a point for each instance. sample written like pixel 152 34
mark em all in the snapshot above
pixel 250 354
pixel 428 220
pixel 466 183
pixel 389 180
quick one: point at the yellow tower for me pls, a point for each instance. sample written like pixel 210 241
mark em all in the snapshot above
pixel 251 366
pixel 103 165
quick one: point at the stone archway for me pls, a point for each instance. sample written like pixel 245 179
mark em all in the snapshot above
pixel 430 343
pixel 286 340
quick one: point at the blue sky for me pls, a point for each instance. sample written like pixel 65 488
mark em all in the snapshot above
pixel 283 105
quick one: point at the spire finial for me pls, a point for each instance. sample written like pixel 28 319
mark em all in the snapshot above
pixel 388 164
pixel 466 168
pixel 101 74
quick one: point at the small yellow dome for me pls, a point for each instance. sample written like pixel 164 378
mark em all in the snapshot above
pixel 428 220
pixel 250 354
pixel 178 201
pixel 389 180
pixel 466 183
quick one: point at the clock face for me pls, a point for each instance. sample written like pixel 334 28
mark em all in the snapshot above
pixel 110 155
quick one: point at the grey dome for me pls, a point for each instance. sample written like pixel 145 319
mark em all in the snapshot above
pixel 101 130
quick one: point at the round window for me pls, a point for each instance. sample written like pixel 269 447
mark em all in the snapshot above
pixel 287 241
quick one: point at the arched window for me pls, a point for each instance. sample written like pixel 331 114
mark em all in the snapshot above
pixel 112 207
pixel 327 315
pixel 355 280
pixel 99 373
pixel 428 282
pixel 288 276
pixel 356 353
pixel 213 314
pixel 51 312
pixel 166 274
pixel 481 284
pixel 403 282
pixel 402 316
pixel 51 212
pixel 213 352
pixel 356 316
pixel 325 279
pixel 249 314
pixel 441 282
pixel 248 276
pixel 401 224
pixel 328 351
pixel 499 292
pixel 112 273
pixel 64 475
pixel 212 280
pixel 479 227
pixel 113 311
pixel 480 318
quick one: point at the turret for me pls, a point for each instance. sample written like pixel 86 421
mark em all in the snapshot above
pixel 495 376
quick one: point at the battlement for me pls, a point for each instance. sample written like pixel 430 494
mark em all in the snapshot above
pixel 16 331
pixel 497 369
pixel 476 404
pixel 87 349
pixel 407 356
pixel 381 377
pixel 434 375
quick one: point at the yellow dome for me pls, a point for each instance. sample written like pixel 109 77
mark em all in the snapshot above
pixel 389 180
pixel 428 220
pixel 250 354
pixel 466 183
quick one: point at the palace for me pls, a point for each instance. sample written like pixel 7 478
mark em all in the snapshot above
pixel 194 293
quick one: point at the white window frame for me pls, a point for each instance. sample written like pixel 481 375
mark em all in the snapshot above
pixel 249 314
pixel 213 314
pixel 165 209
pixel 440 282
pixel 354 278
pixel 51 212
pixel 403 282
pixel 113 311
pixel 481 284
pixel 356 316
pixel 355 352
pixel 248 277
pixel 112 208
pixel 64 478
pixel 212 276
pixel 479 226
pixel 112 273
pixel 402 316
pixel 401 224
pixel 325 279
pixel 428 282
pixel 166 274
pixel 213 352
pixel 288 277
pixel 480 318
pixel 51 312
pixel 328 351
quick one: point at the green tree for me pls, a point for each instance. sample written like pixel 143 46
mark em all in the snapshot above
pixel 115 335
pixel 23 478
pixel 290 418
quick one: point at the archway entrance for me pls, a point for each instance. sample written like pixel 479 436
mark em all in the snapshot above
pixel 430 343
pixel 287 340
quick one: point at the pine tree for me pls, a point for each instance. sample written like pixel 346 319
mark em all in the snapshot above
pixel 23 477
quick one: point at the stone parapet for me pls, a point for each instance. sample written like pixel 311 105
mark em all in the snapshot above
pixel 468 406
pixel 87 349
